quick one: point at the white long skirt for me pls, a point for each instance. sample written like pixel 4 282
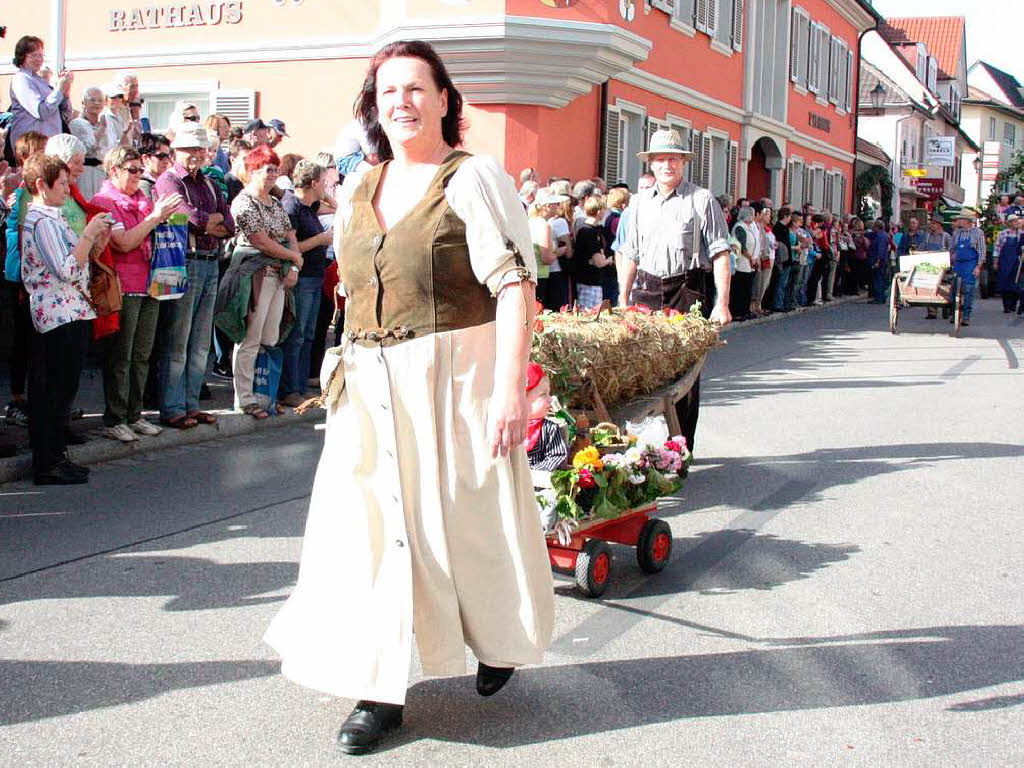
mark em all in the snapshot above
pixel 414 527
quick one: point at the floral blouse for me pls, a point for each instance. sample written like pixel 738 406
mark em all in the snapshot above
pixel 251 216
pixel 57 287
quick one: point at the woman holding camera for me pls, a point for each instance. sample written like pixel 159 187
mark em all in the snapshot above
pixel 55 273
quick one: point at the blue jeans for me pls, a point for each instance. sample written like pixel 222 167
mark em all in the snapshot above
pixel 183 367
pixel 299 344
pixel 879 284
pixel 803 271
pixel 968 287
pixel 781 299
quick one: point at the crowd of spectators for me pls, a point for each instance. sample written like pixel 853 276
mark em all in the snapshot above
pixel 94 184
pixel 84 191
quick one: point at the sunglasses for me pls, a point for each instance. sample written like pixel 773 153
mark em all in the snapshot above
pixel 135 104
pixel 133 170
pixel 161 155
pixel 193 119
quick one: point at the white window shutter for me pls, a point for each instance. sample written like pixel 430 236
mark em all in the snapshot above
pixel 693 167
pixel 827 205
pixel 705 164
pixel 610 171
pixel 812 58
pixel 805 186
pixel 238 105
pixel 700 16
pixel 849 82
pixel 790 169
pixel 795 62
pixel 842 195
pixel 713 16
pixel 668 6
pixel 730 175
pixel 737 25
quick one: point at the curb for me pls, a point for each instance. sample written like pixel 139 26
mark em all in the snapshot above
pixel 103 449
pixel 778 316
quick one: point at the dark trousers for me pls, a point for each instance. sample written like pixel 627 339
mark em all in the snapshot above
pixel 554 293
pixel 699 285
pixel 817 273
pixel 55 367
pixel 1010 301
pixel 23 332
pixel 768 300
pixel 739 294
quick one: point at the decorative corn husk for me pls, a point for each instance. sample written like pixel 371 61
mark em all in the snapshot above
pixel 622 353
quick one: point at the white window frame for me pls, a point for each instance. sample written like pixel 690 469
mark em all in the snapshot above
pixel 628 154
pixel 180 90
pixel 684 126
pixel 684 20
pixel 992 125
pixel 817 179
pixel 795 167
pixel 797 64
pixel 1010 134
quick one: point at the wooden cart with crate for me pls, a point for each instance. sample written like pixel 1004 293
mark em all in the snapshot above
pixel 925 280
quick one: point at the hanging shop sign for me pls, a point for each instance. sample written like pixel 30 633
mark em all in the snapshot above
pixel 940 151
pixel 932 187
pixel 176 15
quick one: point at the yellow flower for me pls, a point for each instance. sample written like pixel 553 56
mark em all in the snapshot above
pixel 588 457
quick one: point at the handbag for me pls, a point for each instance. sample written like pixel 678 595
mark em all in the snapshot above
pixel 266 377
pixel 105 291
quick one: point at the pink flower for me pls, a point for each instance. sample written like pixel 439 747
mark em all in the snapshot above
pixel 586 479
pixel 672 445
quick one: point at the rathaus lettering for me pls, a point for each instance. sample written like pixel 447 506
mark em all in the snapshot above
pixel 187 15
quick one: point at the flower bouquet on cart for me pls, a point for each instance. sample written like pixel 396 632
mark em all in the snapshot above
pixel 607 485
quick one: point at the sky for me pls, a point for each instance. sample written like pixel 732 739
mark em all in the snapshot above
pixel 995 28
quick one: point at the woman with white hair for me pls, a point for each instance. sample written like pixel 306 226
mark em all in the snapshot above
pixel 91 130
pixel 747 235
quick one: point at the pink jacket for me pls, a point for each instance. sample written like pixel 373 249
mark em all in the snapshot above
pixel 133 266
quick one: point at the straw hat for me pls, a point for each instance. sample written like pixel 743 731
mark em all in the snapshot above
pixel 968 214
pixel 190 136
pixel 665 142
pixel 546 196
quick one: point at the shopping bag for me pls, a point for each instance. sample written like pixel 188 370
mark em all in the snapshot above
pixel 168 275
pixel 266 377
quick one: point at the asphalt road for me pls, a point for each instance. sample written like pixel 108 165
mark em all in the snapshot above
pixel 846 587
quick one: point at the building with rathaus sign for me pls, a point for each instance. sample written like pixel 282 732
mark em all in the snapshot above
pixel 764 90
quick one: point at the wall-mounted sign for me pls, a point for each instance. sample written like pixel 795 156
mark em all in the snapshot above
pixel 180 15
pixel 932 187
pixel 819 122
pixel 627 9
pixel 940 151
pixel 915 172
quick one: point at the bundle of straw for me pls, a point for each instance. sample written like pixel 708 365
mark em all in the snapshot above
pixel 624 353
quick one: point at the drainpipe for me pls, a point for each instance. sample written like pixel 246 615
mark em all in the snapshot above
pixel 55 43
pixel 856 113
pixel 601 128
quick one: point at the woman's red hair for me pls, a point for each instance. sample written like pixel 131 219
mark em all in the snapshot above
pixel 261 157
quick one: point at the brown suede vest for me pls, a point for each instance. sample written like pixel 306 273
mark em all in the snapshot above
pixel 415 279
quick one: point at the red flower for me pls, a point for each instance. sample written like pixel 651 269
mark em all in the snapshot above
pixel 672 312
pixel 586 479
pixel 672 445
pixel 643 310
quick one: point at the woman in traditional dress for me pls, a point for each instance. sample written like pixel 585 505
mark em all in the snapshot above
pixel 1008 248
pixel 422 517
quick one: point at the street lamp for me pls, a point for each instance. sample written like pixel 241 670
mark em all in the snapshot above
pixel 978 164
pixel 877 96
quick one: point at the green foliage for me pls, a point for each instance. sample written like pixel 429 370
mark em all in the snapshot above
pixel 875 176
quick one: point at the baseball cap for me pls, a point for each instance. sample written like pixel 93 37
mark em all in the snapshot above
pixel 278 126
pixel 254 125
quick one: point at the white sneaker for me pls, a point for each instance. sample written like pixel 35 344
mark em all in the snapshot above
pixel 120 432
pixel 144 427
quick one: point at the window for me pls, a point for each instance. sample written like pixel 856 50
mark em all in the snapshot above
pixel 724 21
pixel 706 16
pixel 159 107
pixel 849 104
pixel 1010 135
pixel 933 71
pixel 991 129
pixel 835 192
pixel 799 47
pixel 813 58
pixel 612 168
pixel 737 24
pixel 719 165
pixel 795 173
pixel 816 194
pixel 685 12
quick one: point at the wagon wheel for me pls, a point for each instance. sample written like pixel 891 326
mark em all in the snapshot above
pixel 894 303
pixel 593 568
pixel 958 308
pixel 654 547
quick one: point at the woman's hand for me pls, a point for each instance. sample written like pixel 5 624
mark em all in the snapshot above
pixel 98 225
pixel 296 257
pixel 291 278
pixel 165 207
pixel 506 421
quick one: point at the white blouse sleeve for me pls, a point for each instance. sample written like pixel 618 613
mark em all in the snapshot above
pixel 83 130
pixel 497 230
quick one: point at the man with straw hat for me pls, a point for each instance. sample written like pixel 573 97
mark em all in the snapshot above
pixel 967 255
pixel 676 249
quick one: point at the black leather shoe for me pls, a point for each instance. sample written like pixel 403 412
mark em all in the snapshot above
pixel 73 468
pixel 73 438
pixel 59 475
pixel 490 680
pixel 366 725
